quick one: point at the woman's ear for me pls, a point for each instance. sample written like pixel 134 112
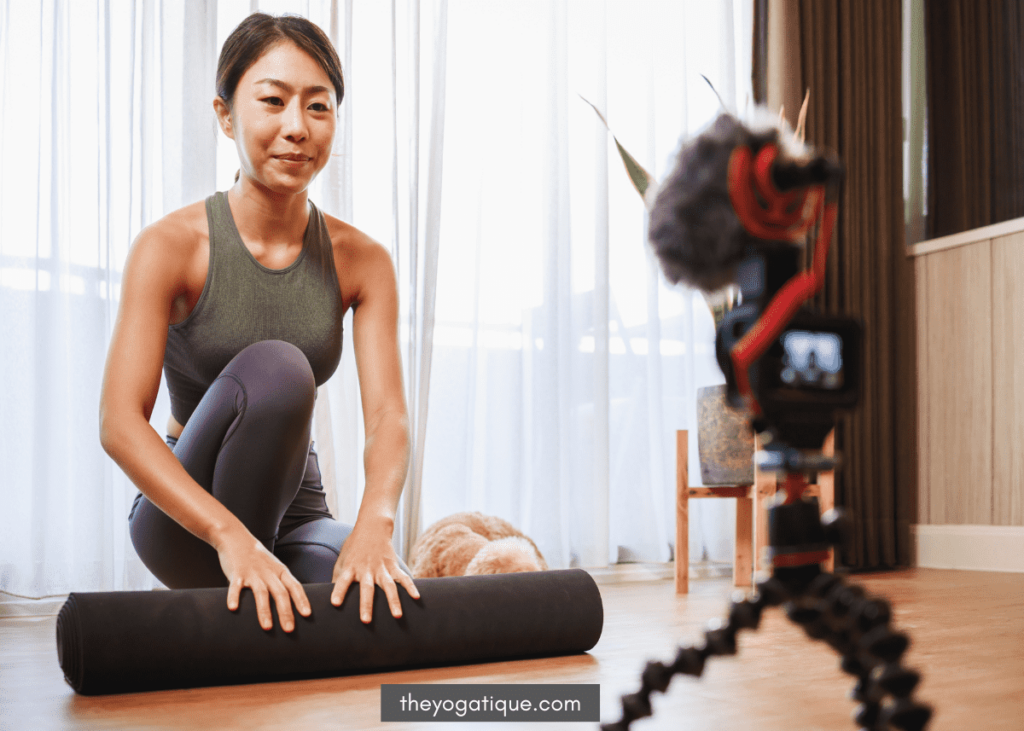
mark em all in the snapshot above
pixel 220 107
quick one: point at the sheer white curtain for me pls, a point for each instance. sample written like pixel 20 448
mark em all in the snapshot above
pixel 546 364
pixel 97 140
pixel 562 364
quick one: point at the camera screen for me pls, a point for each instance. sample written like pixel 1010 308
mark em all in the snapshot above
pixel 812 359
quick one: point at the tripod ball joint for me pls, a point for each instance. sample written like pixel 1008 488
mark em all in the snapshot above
pixel 885 644
pixel 689 661
pixel 636 705
pixel 656 676
pixel 872 613
pixel 867 715
pixel 898 681
pixel 907 715
pixel 823 584
pixel 771 593
pixel 720 638
pixel 843 598
pixel 744 615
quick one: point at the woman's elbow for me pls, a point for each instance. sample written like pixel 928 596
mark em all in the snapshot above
pixel 109 437
pixel 114 431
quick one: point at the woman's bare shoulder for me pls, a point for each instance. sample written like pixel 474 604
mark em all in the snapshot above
pixel 348 241
pixel 363 264
pixel 170 254
pixel 180 231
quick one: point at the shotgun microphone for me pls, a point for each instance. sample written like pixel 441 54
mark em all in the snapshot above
pixel 695 227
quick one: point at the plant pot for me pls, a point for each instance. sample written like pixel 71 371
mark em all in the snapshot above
pixel 725 440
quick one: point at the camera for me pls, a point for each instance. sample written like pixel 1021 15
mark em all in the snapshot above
pixel 808 373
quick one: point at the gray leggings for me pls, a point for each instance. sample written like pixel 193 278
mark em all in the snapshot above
pixel 247 443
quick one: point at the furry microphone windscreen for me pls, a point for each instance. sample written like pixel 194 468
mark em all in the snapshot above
pixel 695 232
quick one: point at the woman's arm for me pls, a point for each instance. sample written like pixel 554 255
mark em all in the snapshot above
pixel 368 556
pixel 155 277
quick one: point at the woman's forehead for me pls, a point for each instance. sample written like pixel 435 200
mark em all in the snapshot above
pixel 289 67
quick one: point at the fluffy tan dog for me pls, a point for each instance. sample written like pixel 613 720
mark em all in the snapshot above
pixel 468 544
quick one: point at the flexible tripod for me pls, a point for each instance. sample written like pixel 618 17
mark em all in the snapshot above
pixel 828 608
pixel 734 211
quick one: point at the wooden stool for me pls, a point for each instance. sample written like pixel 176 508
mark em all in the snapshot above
pixel 751 515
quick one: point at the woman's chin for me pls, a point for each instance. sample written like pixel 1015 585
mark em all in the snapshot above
pixel 277 185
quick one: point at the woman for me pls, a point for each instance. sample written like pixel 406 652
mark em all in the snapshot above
pixel 241 299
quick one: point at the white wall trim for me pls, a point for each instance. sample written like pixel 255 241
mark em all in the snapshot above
pixel 964 238
pixel 970 547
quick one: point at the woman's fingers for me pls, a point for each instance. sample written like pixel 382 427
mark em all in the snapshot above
pixel 234 590
pixel 410 586
pixel 370 574
pixel 297 592
pixel 283 600
pixel 366 588
pixel 282 589
pixel 341 585
pixel 391 592
pixel 263 613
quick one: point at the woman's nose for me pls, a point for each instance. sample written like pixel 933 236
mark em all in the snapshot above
pixel 294 123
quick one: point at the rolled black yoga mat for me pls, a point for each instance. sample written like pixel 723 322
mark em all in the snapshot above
pixel 117 642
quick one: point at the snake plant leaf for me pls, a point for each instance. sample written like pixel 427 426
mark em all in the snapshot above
pixel 640 178
pixel 719 303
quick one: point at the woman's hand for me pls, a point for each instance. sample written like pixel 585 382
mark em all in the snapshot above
pixel 247 563
pixel 368 557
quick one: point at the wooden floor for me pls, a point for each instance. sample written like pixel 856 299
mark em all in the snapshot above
pixel 967 630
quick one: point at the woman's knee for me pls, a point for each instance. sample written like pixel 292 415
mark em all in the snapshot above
pixel 174 556
pixel 276 377
pixel 310 563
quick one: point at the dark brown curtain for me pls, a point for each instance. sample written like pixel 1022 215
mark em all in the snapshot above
pixel 975 70
pixel 850 61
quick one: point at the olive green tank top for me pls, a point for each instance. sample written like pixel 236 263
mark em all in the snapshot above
pixel 244 302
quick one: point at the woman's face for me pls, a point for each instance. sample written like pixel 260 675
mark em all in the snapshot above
pixel 282 119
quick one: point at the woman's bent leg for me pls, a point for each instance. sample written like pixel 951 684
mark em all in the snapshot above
pixel 246 444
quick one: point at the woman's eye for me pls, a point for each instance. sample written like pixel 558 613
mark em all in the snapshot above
pixel 275 100
pixel 319 107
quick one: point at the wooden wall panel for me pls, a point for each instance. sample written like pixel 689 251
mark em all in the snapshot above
pixel 924 484
pixel 1008 380
pixel 958 324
